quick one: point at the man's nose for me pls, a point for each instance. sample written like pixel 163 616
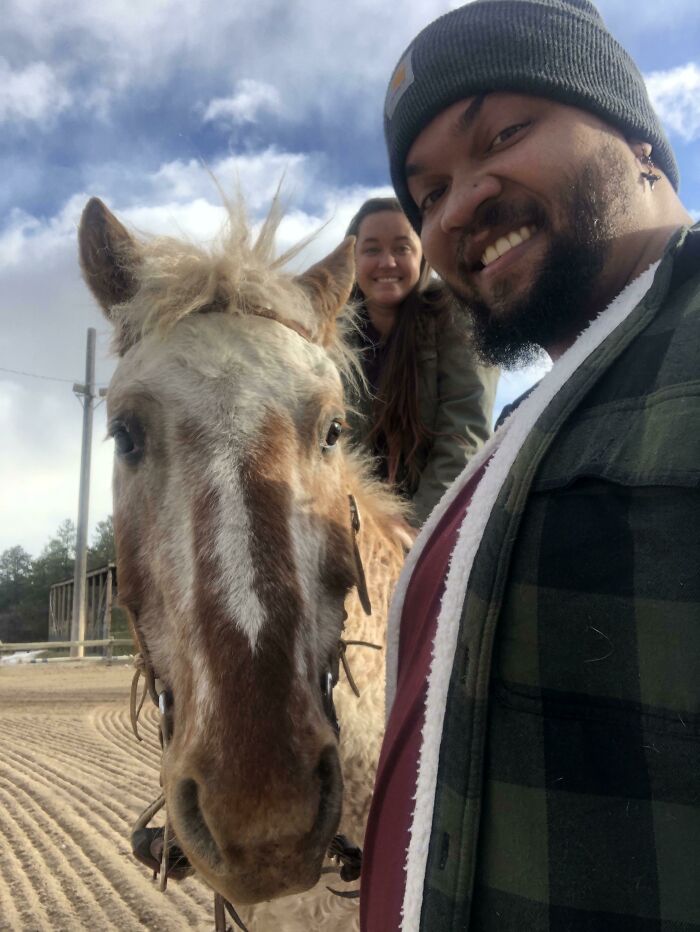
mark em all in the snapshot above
pixel 466 194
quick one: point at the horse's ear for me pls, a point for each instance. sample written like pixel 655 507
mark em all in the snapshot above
pixel 108 256
pixel 329 284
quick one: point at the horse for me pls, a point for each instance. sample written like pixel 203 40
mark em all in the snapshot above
pixel 237 503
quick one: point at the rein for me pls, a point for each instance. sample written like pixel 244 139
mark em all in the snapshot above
pixel 172 862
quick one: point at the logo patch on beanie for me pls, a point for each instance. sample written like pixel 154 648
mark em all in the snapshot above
pixel 401 81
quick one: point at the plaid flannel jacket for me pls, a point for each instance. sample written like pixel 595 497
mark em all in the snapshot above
pixel 568 793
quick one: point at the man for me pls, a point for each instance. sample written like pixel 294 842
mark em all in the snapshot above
pixel 541 766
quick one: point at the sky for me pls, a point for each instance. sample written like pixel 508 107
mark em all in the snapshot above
pixel 138 103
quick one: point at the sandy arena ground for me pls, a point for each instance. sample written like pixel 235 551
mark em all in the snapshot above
pixel 72 780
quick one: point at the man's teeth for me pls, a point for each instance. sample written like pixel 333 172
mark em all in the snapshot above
pixel 387 279
pixel 505 243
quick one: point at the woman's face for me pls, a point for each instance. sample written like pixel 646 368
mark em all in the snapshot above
pixel 387 256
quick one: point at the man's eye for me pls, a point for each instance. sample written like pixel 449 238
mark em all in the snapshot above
pixel 506 134
pixel 432 197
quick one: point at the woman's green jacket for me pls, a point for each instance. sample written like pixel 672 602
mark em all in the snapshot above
pixel 456 397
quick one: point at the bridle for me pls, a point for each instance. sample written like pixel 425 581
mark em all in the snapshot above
pixel 348 857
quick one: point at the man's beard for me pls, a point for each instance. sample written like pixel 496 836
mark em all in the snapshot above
pixel 559 303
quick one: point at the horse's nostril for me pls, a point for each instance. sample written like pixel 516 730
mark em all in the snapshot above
pixel 195 830
pixel 188 799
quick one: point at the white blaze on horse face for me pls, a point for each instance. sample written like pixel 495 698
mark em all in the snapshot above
pixel 232 543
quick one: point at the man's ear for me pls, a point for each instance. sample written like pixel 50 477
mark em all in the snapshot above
pixel 640 148
pixel 648 171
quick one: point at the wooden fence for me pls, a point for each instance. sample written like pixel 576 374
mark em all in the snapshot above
pixel 100 589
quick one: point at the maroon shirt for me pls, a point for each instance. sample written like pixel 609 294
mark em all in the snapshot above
pixel 387 836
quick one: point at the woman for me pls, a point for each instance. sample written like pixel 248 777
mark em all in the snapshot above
pixel 427 404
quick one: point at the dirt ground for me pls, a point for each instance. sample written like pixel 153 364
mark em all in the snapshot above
pixel 72 780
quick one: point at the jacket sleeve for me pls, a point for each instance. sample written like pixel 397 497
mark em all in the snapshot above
pixel 466 391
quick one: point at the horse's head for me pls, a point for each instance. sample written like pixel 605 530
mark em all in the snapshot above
pixel 234 535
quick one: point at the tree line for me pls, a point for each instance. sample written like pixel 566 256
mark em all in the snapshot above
pixel 25 581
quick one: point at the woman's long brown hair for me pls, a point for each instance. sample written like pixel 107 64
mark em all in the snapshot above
pixel 396 431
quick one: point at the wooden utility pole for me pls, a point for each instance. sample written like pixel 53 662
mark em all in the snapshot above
pixel 86 395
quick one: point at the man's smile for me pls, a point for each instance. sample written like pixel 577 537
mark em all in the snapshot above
pixel 505 243
pixel 489 255
pixel 482 249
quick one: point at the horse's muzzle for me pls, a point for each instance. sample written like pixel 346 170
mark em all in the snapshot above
pixel 259 852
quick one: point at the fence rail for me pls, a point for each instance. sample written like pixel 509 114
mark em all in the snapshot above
pixel 49 645
pixel 86 658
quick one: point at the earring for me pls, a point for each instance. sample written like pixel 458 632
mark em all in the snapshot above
pixel 649 175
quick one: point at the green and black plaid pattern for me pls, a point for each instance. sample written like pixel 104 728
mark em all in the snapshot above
pixel 568 795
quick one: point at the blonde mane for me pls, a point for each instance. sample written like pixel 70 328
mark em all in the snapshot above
pixel 235 274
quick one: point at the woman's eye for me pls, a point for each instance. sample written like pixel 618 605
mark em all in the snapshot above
pixel 506 134
pixel 333 435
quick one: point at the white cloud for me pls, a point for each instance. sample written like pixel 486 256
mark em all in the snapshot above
pixel 256 175
pixel 249 99
pixel 42 474
pixel 29 242
pixel 311 60
pixel 33 94
pixel 181 198
pixel 13 239
pixel 675 95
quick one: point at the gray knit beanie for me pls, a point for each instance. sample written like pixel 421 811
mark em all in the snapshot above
pixel 559 49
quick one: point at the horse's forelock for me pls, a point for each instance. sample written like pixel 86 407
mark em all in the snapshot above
pixel 236 274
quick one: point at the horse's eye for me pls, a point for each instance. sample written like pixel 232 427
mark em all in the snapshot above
pixel 334 432
pixel 123 441
pixel 128 442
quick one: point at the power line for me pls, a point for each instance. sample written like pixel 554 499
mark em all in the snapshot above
pixel 35 375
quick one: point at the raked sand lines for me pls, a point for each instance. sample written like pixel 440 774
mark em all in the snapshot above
pixel 72 780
